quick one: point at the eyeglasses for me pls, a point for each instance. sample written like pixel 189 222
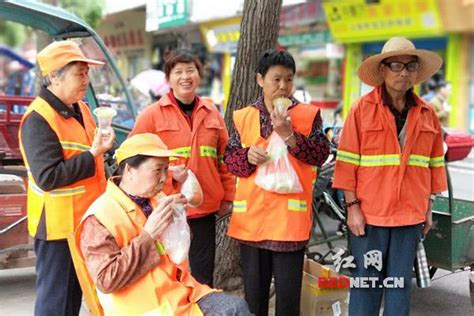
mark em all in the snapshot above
pixel 397 66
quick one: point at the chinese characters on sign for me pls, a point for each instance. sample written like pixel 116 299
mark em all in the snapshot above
pixel 356 20
pixel 162 14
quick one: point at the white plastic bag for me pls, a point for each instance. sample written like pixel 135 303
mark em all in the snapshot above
pixel 278 175
pixel 176 237
pixel 191 189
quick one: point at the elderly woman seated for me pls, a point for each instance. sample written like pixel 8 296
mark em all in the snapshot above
pixel 119 239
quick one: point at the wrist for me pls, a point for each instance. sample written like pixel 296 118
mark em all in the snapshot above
pixel 94 152
pixel 352 204
pixel 289 137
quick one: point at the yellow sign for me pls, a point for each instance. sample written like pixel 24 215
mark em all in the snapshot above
pixel 353 21
pixel 221 36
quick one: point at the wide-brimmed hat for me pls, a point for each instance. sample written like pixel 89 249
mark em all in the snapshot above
pixel 430 62
pixel 146 144
pixel 58 54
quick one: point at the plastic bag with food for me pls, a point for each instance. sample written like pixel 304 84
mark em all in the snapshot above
pixel 191 189
pixel 176 237
pixel 278 175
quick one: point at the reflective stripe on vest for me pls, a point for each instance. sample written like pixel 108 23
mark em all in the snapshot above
pixel 185 152
pixel 388 160
pixel 348 157
pixel 297 205
pixel 75 146
pixel 437 162
pixel 240 206
pixel 419 161
pixel 379 160
pixel 208 151
pixel 59 192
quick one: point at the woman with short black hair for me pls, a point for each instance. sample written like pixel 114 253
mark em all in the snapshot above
pixel 273 229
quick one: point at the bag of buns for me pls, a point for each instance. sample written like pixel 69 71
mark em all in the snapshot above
pixel 191 189
pixel 278 175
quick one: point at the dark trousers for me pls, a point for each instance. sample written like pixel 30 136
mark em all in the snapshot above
pixel 398 247
pixel 202 251
pixel 258 266
pixel 57 288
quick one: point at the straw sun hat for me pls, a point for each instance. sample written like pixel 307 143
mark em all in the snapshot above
pixel 430 62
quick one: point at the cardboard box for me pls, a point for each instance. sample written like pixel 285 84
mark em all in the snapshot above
pixel 321 301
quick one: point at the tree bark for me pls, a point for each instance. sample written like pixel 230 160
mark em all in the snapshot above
pixel 258 32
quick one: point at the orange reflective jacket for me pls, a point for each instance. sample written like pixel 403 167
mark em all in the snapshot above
pixel 167 286
pixel 261 215
pixel 203 146
pixel 64 207
pixel 393 185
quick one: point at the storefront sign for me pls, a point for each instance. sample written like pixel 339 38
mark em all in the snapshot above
pixel 356 21
pixel 300 39
pixel 221 36
pixel 304 13
pixel 163 14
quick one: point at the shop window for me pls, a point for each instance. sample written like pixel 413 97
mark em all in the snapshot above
pixel 106 86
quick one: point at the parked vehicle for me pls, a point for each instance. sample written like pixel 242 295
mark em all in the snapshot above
pixel 106 88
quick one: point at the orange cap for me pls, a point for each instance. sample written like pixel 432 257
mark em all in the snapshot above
pixel 143 144
pixel 59 54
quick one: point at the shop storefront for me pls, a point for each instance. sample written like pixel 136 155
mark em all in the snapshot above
pixel 363 29
pixel 124 35
pixel 305 33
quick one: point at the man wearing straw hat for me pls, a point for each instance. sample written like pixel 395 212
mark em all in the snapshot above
pixel 389 163
pixel 65 165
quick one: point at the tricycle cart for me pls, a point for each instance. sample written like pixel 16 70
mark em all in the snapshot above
pixel 450 243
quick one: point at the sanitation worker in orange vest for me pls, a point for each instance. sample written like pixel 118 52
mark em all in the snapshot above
pixel 64 157
pixel 121 242
pixel 193 127
pixel 273 229
pixel 389 163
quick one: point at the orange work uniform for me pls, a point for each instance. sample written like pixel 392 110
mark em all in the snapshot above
pixel 261 215
pixel 201 141
pixel 392 183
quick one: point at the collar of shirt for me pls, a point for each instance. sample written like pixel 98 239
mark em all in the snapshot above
pixel 58 105
pixel 143 203
pixel 409 99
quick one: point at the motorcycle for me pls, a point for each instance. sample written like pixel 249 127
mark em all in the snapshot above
pixel 329 201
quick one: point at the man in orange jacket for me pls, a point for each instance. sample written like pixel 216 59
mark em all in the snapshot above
pixel 389 162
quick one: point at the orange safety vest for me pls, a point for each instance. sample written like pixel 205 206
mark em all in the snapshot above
pixel 261 215
pixel 203 148
pixel 167 286
pixel 63 207
pixel 393 184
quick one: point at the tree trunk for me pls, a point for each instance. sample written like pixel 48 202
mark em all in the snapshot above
pixel 258 32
